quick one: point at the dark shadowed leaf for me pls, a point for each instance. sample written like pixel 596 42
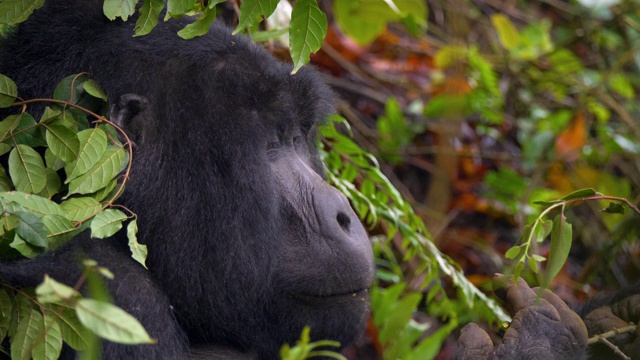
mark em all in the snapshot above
pixel 578 194
pixel 16 11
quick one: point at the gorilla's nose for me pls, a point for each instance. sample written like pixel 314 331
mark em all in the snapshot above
pixel 342 229
pixel 336 218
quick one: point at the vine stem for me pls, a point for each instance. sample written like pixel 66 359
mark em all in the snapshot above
pixel 99 119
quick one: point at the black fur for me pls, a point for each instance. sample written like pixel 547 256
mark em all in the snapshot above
pixel 247 244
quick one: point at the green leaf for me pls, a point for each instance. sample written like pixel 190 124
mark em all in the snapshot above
pixel 307 31
pixel 73 332
pixel 107 223
pixel 24 248
pixel 138 251
pixel 252 11
pixel 6 311
pixel 100 174
pixel 541 230
pixel 17 11
pixel 200 26
pixel 560 246
pixel 547 203
pixel 119 8
pixel 9 124
pixel 513 252
pixel 149 13
pixel 363 20
pixel 93 89
pixel 53 184
pixel 52 161
pixel 57 225
pixel 31 229
pixel 48 345
pixel 93 144
pixel 27 132
pixel 620 83
pixel 5 182
pixel 27 169
pixel 110 322
pixel 31 325
pixel 177 8
pixel 51 291
pixel 63 142
pixel 507 33
pixel 8 88
pixel 579 194
pixel 81 208
pixel 614 208
pixel 33 203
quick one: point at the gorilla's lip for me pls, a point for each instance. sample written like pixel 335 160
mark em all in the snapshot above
pixel 354 295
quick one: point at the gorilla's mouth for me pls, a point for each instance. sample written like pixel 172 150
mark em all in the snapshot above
pixel 361 295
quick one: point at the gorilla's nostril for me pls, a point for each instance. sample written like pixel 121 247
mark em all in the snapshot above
pixel 344 221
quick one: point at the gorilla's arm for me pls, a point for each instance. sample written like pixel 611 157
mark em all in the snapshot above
pixel 132 289
pixel 546 329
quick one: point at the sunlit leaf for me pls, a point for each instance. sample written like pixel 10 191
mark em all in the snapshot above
pixel 33 203
pixel 110 322
pixel 78 209
pixel 200 26
pixel 176 8
pixel 119 8
pixel 507 33
pixel 252 12
pixel 138 251
pixel 307 31
pixel 73 332
pixel 107 223
pixel 149 13
pixel 93 144
pixel 52 291
pixel 93 89
pixel 100 174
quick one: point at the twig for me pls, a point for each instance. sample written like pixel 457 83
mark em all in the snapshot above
pixel 615 332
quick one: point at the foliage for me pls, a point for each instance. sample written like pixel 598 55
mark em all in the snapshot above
pixel 305 349
pixel 42 211
pixel 560 232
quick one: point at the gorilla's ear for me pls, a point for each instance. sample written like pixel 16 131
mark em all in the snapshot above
pixel 131 113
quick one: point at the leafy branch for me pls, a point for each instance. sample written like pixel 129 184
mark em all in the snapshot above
pixel 560 232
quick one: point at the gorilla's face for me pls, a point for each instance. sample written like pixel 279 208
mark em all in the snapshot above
pixel 245 236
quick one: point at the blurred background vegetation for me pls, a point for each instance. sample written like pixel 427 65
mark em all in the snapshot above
pixel 475 109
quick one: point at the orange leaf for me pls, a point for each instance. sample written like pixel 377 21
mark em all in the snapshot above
pixel 572 139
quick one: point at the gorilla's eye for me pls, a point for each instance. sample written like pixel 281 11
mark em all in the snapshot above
pixel 272 146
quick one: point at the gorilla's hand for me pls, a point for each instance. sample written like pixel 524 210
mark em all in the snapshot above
pixel 547 330
pixel 609 313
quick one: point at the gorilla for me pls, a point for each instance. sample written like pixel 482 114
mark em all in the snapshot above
pixel 247 243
